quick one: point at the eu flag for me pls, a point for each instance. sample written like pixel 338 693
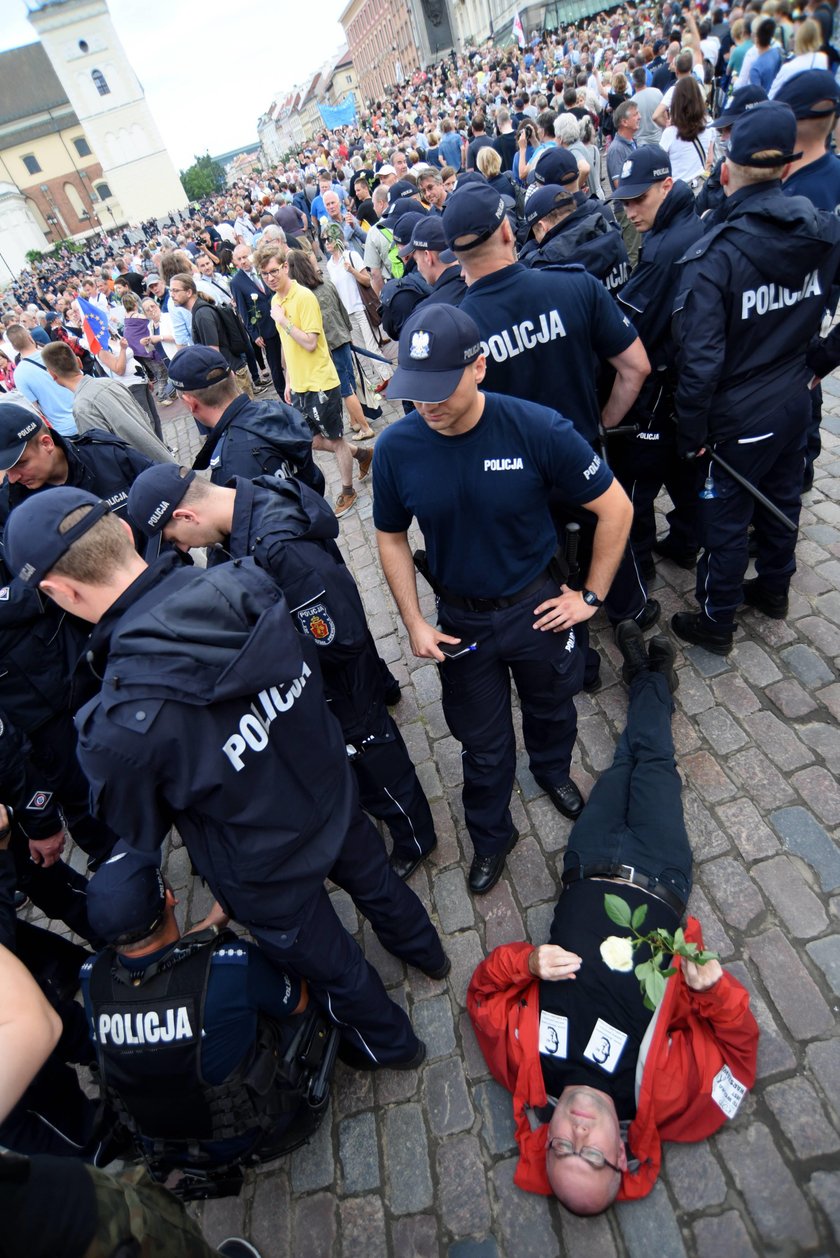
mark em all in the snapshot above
pixel 95 325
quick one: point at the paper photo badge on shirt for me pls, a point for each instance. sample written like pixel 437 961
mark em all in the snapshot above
pixel 554 1035
pixel 606 1044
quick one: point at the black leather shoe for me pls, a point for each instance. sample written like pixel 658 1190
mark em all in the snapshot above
pixel 441 971
pixel 565 798
pixel 404 866
pixel 649 614
pixel 631 643
pixel 692 627
pixel 485 871
pixel 661 655
pixel 773 605
pixel 357 1060
pixel 664 547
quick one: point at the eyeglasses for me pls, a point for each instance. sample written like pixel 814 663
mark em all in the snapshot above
pixel 593 1157
pixel 269 272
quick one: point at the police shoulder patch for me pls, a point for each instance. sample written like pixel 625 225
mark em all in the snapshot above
pixel 5 594
pixel 39 801
pixel 317 623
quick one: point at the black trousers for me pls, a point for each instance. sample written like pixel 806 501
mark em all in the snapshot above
pixel 390 791
pixel 54 752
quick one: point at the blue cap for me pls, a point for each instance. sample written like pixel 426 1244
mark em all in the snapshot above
pixel 398 191
pixel 472 211
pixel 428 233
pixel 556 165
pixel 644 167
pixel 811 88
pixel 436 344
pixel 764 136
pixel 745 98
pixel 18 425
pixel 33 539
pixel 403 228
pixel 197 367
pixel 156 493
pixel 126 896
pixel 543 200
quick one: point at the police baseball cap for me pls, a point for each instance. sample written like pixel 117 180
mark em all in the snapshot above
pixel 764 136
pixel 805 91
pixel 34 541
pixel 644 167
pixel 436 344
pixel 556 166
pixel 402 188
pixel 473 211
pixel 428 233
pixel 545 199
pixel 402 230
pixel 126 896
pixel 18 425
pixel 156 493
pixel 742 100
pixel 197 367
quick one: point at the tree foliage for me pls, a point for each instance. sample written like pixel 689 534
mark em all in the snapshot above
pixel 205 178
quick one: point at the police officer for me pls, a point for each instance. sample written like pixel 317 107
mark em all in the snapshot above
pixel 399 297
pixel 209 698
pixel 543 334
pixel 190 1031
pixel 662 210
pixel 437 265
pixel 563 231
pixel 247 438
pixel 290 531
pixel 553 167
pixel 752 295
pixel 711 196
pixel 476 471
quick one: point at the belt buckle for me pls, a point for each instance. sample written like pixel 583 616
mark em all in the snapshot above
pixel 627 872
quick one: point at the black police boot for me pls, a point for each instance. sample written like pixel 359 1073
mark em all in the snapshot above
pixel 664 547
pixel 693 627
pixel 631 643
pixel 661 655
pixel 566 798
pixel 404 866
pixel 486 871
pixel 649 614
pixel 773 605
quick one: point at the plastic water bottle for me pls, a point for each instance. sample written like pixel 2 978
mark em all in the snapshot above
pixel 708 490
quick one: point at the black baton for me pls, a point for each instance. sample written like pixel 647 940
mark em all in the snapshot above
pixel 756 493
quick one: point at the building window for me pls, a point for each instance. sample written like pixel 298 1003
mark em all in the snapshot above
pixel 348 78
pixel 103 191
pixel 81 146
pixel 101 82
pixel 31 163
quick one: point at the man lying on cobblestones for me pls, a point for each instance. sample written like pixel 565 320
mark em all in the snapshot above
pixel 599 1077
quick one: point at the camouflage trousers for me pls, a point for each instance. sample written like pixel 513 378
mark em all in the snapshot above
pixel 137 1218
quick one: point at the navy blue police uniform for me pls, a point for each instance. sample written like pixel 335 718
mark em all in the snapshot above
pixel 584 236
pixel 257 438
pixel 449 288
pixel 752 295
pixel 649 459
pixel 482 502
pixel 208 696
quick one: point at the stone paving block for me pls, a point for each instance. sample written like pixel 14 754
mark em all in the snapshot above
pixel 742 822
pixel 494 1104
pixel 473 1058
pixel 598 741
pixel 776 1205
pixel 704 834
pixel 826 954
pixel 774 1052
pixel 528 787
pixel 825 1186
pixel 754 662
pixel 525 1219
pixel 824 635
pixel 363 1227
pixel 734 892
pixel 802 1119
pixel 551 828
pixel 502 920
pixel 650 1227
pixel 538 922
pixel 315 1226
pixel 429 779
pixel 819 788
pixel 685 735
pixel 830 696
pixel 791 897
pixel 352 1090
pixel 723 1235
pixel 452 900
pixel 757 775
pixel 693 695
pixel 486 1248
pixel 447 753
pixel 345 910
pixel 448 1105
pixel 462 1197
pixel 828 605
pixel 313 1165
pixel 415 1237
pixel 586 1237
pixel 778 740
pixel 714 935
pixel 693 1176
pixel 426 682
pixel 416 740
pixel 724 733
pixel 791 988
pixel 433 1023
pixel 434 720
pixel 393 1086
pixel 773 633
pixel 358 1152
pixel 527 868
pixel 801 833
pixel 806 665
pixel 271 1216
pixel 790 698
pixel 465 952
pixel 406 1159
pixel 706 663
pixel 734 693
pixel 222 1217
pixel 707 777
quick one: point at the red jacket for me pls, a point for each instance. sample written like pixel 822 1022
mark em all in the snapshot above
pixel 693 1036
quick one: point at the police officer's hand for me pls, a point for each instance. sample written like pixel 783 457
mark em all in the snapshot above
pixel 216 917
pixel 550 962
pixel 559 614
pixel 47 851
pixel 689 455
pixel 424 639
pixel 701 977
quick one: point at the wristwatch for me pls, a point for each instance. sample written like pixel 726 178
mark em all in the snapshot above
pixel 591 598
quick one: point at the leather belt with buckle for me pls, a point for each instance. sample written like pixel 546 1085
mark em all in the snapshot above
pixel 627 873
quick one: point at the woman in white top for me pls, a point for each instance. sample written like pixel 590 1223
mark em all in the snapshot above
pixel 687 139
pixel 808 56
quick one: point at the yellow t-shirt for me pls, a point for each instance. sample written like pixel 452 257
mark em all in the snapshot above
pixel 306 372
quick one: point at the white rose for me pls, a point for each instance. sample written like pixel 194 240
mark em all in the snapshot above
pixel 617 953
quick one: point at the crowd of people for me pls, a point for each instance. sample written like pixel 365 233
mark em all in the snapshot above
pixel 590 268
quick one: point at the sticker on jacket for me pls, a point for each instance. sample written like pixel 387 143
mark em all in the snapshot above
pixel 606 1044
pixel 554 1034
pixel 317 622
pixel 39 801
pixel 727 1092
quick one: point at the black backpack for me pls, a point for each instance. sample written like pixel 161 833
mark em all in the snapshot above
pixel 234 333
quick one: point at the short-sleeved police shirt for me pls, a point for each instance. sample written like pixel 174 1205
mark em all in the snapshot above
pixel 819 181
pixel 481 498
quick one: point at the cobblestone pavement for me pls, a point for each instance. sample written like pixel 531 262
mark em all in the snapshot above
pixel 422 1163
